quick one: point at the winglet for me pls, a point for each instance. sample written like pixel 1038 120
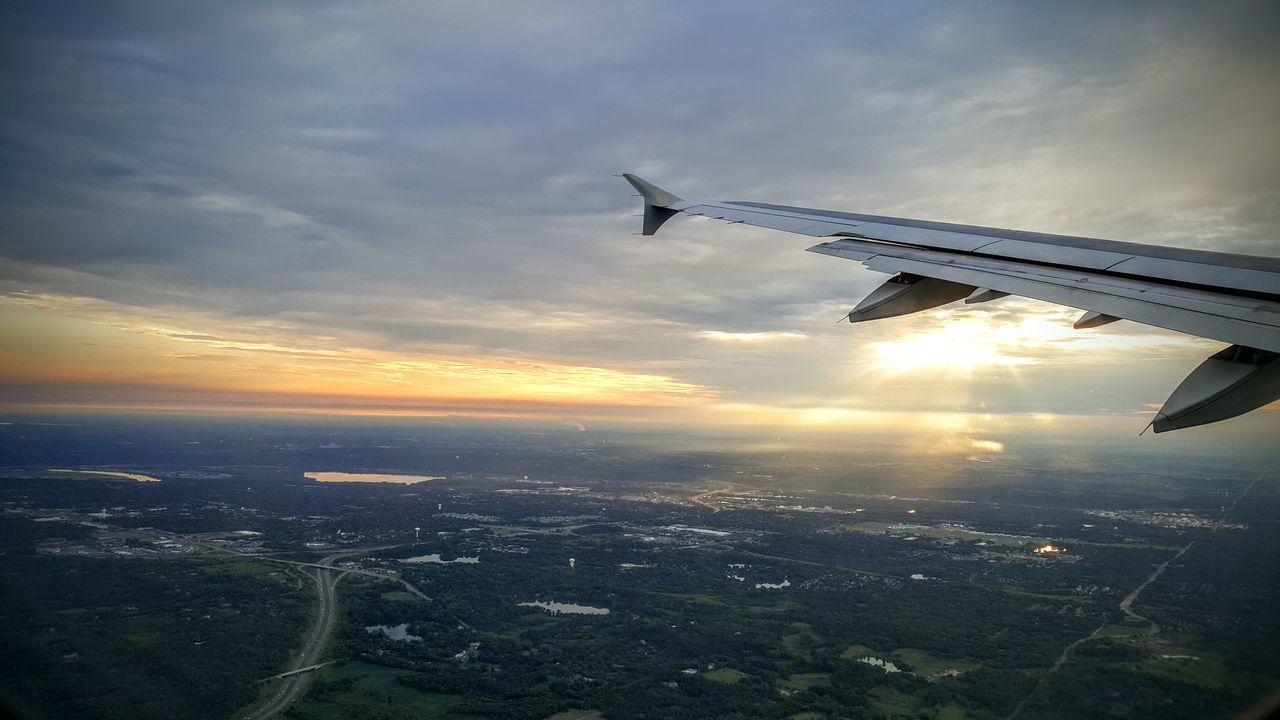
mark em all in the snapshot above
pixel 657 203
pixel 653 195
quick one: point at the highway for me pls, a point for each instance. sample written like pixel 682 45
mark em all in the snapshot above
pixel 300 670
pixel 1126 606
pixel 292 687
pixel 701 499
pixel 296 678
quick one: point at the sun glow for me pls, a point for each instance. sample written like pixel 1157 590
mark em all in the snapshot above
pixel 961 343
pixel 142 360
pixel 748 337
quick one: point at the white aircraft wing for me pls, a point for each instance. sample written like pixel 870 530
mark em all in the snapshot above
pixel 1231 298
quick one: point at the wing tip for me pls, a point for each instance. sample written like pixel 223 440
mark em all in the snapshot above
pixel 653 195
pixel 657 203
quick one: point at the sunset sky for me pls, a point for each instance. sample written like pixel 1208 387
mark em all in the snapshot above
pixel 410 208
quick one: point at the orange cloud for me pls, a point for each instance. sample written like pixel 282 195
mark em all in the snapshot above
pixel 75 342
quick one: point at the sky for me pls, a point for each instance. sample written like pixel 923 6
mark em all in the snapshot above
pixel 411 208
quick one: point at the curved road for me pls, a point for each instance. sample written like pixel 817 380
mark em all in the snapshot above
pixel 1126 605
pixel 326 577
pixel 701 498
pixel 292 687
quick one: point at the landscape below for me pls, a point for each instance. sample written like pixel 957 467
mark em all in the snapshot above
pixel 536 573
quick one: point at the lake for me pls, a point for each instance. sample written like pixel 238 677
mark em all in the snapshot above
pixel 107 474
pixel 395 632
pixel 773 586
pixel 556 608
pixel 435 558
pixel 344 477
pixel 882 664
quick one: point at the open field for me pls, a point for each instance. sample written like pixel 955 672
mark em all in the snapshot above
pixel 358 689
pixel 726 676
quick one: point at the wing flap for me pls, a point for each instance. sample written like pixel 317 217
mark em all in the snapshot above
pixel 1236 320
pixel 1053 254
pixel 1200 274
pixel 941 239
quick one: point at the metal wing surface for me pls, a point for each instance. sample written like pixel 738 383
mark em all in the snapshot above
pixel 1231 298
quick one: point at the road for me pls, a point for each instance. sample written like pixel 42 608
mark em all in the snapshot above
pixel 1126 605
pixel 798 561
pixel 292 687
pixel 326 577
pixel 701 499
pixel 287 673
pixel 367 573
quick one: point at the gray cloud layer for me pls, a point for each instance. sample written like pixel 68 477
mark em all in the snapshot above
pixel 436 177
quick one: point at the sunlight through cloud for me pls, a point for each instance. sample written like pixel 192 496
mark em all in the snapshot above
pixel 749 337
pixel 961 344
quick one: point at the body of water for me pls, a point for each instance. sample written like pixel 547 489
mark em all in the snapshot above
pixel 435 559
pixel 395 632
pixel 107 474
pixel 700 531
pixel 773 586
pixel 882 664
pixel 343 477
pixel 556 608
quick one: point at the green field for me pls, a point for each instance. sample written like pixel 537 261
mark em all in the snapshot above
pixel 853 652
pixel 1202 668
pixel 363 690
pixel 931 666
pixel 804 681
pixel 802 642
pixel 727 676
pixel 780 607
pixel 896 705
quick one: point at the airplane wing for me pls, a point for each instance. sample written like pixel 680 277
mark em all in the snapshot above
pixel 1234 299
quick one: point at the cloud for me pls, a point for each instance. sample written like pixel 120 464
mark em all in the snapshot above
pixel 435 181
pixel 964 342
pixel 278 362
pixel 266 213
pixel 750 338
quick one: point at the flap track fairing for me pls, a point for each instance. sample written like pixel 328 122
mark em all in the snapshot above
pixel 904 294
pixel 1229 383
